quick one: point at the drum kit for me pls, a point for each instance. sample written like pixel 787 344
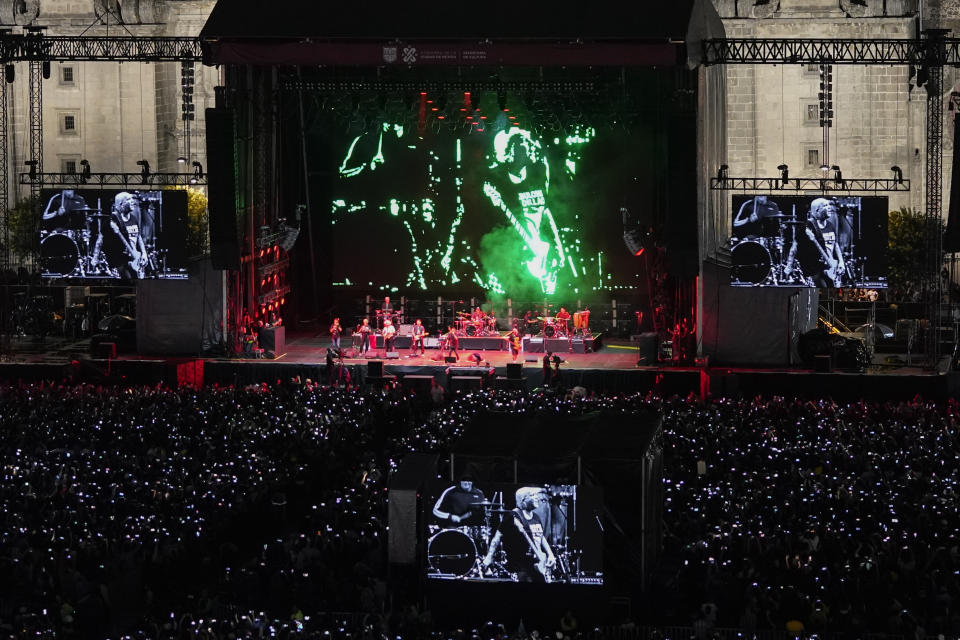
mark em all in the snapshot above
pixel 458 552
pixel 467 325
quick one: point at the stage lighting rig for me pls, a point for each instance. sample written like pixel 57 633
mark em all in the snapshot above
pixel 144 170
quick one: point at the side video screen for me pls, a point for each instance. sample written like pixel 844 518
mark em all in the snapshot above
pixel 112 234
pixel 550 534
pixel 807 241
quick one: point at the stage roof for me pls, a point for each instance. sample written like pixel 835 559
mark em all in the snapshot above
pixel 301 32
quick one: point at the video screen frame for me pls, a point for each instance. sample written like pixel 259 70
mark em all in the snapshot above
pixel 823 241
pixel 553 536
pixel 113 234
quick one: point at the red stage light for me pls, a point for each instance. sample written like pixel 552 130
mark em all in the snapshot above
pixel 263 282
pixel 283 301
pixel 441 117
pixel 639 252
pixel 261 253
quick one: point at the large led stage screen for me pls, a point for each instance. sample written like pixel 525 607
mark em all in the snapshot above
pixel 113 234
pixel 500 533
pixel 500 204
pixel 809 241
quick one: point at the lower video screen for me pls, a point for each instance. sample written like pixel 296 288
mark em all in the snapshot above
pixel 809 241
pixel 499 533
pixel 113 234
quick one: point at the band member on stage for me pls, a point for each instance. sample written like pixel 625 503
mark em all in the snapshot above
pixel 389 334
pixel 460 504
pixel 477 315
pixel 563 318
pixel 419 332
pixel 452 342
pixel 514 338
pixel 547 371
pixel 364 330
pixel 492 321
pixel 335 332
pixel 521 532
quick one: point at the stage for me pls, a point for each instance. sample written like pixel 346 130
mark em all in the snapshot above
pixel 612 368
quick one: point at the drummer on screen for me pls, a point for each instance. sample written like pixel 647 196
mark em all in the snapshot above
pixel 460 504
pixel 754 217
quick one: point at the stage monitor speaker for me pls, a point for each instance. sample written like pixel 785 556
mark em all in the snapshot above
pixel 105 350
pixel 822 363
pixel 393 355
pixel 222 190
pixel 375 368
pixel 529 358
pixel 514 370
pixel 449 358
pixel 647 347
pixel 417 383
pixel 466 383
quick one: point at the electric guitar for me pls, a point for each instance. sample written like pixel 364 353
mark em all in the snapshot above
pixel 537 552
pixel 138 261
pixel 832 265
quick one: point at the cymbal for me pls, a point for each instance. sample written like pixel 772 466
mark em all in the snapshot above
pixel 799 223
pixel 485 503
pixel 775 216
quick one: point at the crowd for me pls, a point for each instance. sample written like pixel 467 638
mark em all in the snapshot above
pixel 255 512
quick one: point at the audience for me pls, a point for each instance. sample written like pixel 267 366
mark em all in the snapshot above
pixel 255 512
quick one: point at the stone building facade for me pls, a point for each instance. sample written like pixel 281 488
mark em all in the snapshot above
pixel 109 113
pixel 879 112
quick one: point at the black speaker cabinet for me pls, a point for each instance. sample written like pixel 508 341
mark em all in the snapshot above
pixel 514 370
pixel 449 358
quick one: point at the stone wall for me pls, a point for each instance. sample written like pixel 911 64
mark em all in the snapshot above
pixel 123 112
pixel 879 115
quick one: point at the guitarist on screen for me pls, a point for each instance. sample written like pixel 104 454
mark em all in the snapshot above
pixel 126 222
pixel 821 229
pixel 521 532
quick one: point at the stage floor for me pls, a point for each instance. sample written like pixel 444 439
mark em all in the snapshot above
pixel 612 368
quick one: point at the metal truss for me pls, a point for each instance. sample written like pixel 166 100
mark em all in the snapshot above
pixel 831 51
pixel 273 295
pixel 112 179
pixel 433 84
pixel 846 185
pixel 933 216
pixel 15 47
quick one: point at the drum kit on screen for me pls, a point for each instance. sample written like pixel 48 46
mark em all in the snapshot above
pixel 458 552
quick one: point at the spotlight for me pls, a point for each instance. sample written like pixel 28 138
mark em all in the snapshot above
pixel 837 175
pixel 784 173
pixel 897 174
pixel 181 160
pixel 824 167
pixel 85 170
pixel 144 170
pixel 722 172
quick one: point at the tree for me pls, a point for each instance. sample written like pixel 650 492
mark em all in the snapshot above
pixel 908 264
pixel 197 229
pixel 23 224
